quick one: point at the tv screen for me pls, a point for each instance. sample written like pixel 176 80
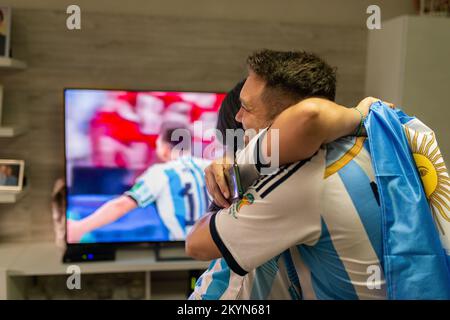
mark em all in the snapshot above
pixel 124 181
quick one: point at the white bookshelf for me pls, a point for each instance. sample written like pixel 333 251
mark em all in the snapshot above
pixel 12 196
pixel 20 262
pixel 11 132
pixel 10 63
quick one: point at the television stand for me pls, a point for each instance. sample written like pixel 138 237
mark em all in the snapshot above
pixel 22 263
pixel 91 253
pixel 170 253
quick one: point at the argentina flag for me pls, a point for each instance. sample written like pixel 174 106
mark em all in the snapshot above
pixel 414 188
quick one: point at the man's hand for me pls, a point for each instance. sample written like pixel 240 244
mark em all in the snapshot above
pixel 364 104
pixel 216 175
pixel 364 107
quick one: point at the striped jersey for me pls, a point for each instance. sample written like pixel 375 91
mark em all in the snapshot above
pixel 325 211
pixel 273 280
pixel 178 188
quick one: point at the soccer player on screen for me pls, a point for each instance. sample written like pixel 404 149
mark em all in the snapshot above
pixel 177 187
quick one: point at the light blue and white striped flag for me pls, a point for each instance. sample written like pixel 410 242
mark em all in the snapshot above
pixel 414 188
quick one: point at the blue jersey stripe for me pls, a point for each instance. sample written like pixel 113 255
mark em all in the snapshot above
pixel 205 199
pixel 329 278
pixel 177 199
pixel 263 280
pixel 199 193
pixel 358 186
pixel 293 277
pixel 199 282
pixel 195 207
pixel 220 282
pixel 202 178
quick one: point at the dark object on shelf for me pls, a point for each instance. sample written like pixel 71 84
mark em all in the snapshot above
pixel 91 253
pixel 170 252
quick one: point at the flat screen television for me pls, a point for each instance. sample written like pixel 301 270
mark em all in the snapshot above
pixel 110 141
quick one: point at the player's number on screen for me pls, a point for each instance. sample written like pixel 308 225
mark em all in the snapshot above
pixel 187 192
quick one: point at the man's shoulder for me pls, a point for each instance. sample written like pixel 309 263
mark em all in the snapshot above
pixel 344 150
pixel 305 172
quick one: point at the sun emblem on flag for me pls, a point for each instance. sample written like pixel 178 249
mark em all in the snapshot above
pixel 433 172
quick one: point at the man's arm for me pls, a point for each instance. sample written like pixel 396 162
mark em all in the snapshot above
pixel 268 220
pixel 109 212
pixel 304 127
pixel 144 192
pixel 199 242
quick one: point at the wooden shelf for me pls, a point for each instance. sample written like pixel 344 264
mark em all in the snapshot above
pixel 21 261
pixel 12 196
pixel 40 259
pixel 10 63
pixel 10 132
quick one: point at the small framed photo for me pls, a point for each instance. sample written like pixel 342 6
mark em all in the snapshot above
pixel 5 31
pixel 11 175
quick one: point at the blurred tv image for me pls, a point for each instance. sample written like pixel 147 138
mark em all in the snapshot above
pixel 124 183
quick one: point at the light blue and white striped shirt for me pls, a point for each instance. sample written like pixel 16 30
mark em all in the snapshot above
pixel 324 210
pixel 179 190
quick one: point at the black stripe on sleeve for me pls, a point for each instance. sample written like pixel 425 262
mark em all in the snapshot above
pixel 269 178
pixel 284 178
pixel 223 249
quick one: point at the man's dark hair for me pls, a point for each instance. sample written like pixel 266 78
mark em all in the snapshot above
pixel 167 133
pixel 292 76
pixel 228 109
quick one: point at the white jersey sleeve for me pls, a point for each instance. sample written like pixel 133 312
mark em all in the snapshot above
pixel 148 186
pixel 248 161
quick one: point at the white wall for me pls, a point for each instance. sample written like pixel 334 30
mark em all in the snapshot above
pixel 408 64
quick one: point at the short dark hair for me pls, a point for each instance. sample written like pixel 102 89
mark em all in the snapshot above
pixel 228 109
pixel 292 76
pixel 167 130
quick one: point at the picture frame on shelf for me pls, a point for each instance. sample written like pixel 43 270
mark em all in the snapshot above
pixel 11 175
pixel 5 31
